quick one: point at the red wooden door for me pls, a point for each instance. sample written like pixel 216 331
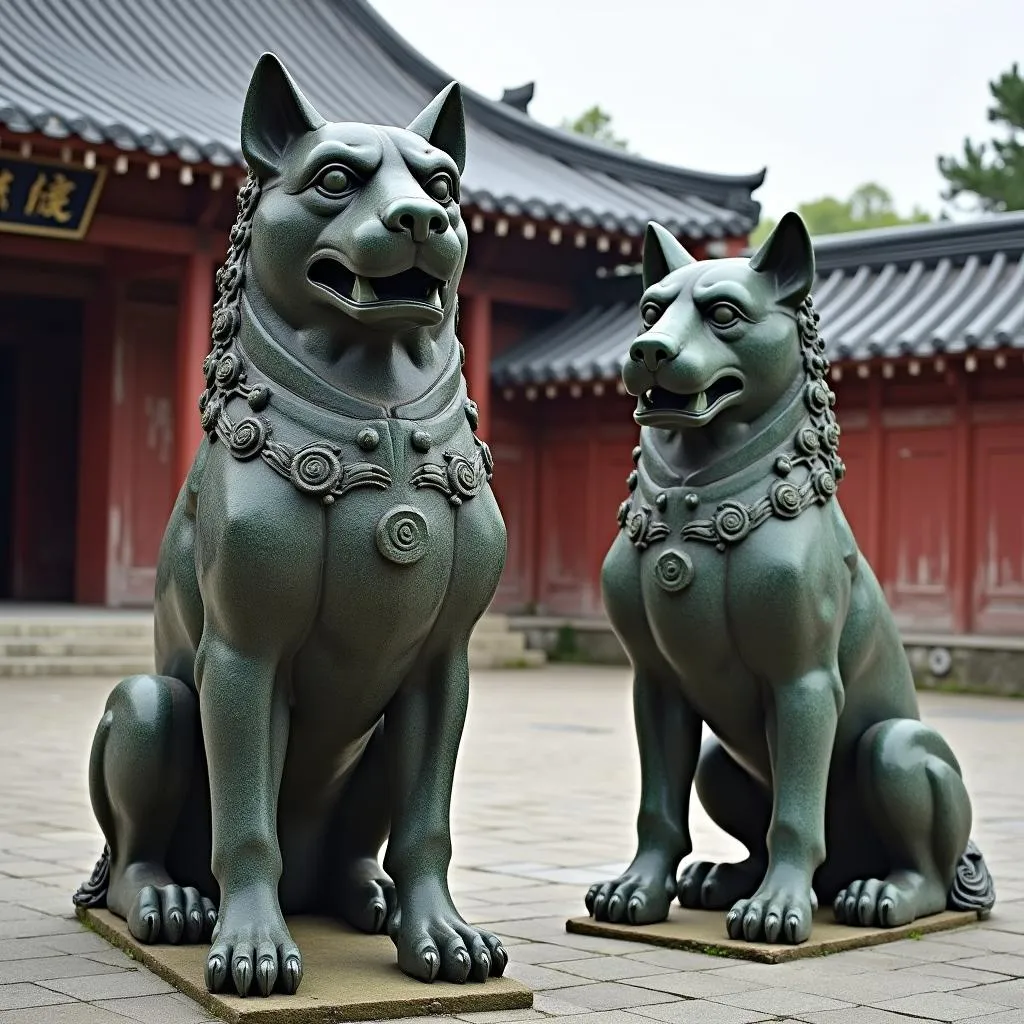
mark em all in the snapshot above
pixel 917 526
pixel 564 586
pixel 144 478
pixel 998 528
pixel 514 486
pixel 857 488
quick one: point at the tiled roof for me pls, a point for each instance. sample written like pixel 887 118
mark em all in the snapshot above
pixel 922 290
pixel 169 78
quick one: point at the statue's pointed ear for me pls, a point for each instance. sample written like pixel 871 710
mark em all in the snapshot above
pixel 275 115
pixel 442 122
pixel 787 256
pixel 662 254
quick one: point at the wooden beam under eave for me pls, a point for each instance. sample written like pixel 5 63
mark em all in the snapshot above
pixel 144 235
pixel 25 248
pixel 517 291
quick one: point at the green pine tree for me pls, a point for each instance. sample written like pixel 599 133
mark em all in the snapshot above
pixel 993 172
pixel 596 123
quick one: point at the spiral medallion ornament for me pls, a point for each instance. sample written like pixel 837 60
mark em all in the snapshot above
pixel 247 438
pixel 673 571
pixel 316 470
pixel 403 535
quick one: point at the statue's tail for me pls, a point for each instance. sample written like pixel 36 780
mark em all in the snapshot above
pixel 972 888
pixel 93 891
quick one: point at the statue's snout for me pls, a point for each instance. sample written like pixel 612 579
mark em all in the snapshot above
pixel 417 216
pixel 651 350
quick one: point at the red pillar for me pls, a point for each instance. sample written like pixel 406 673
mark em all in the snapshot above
pixel 475 334
pixel 96 418
pixel 194 308
pixel 962 541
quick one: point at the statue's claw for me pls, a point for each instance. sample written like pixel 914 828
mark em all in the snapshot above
pixel 637 897
pixel 444 946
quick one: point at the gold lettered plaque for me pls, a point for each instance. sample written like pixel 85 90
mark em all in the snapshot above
pixel 48 198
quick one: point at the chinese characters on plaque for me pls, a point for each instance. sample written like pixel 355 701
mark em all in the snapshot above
pixel 42 197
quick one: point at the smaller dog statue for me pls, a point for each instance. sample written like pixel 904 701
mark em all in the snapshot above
pixel 738 591
pixel 325 563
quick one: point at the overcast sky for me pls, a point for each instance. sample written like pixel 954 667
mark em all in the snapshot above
pixel 825 94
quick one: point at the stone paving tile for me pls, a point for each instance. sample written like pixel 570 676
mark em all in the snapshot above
pixel 111 986
pixel 1005 993
pixel 39 926
pixel 498 1016
pixel 608 968
pixel 161 1009
pixel 48 968
pixel 65 1013
pixel 998 963
pixel 700 1011
pixel 990 940
pixel 958 973
pixel 547 952
pixel 18 996
pixel 610 995
pixel 780 1001
pixel 941 1006
pixel 857 1015
pixel 540 978
pixel 693 984
pixel 23 949
pixel 683 960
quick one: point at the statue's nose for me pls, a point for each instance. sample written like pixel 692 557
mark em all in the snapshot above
pixel 417 216
pixel 652 350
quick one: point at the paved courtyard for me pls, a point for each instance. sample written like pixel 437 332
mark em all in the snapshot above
pixel 545 802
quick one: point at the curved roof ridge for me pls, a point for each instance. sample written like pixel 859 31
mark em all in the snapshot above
pixel 930 242
pixel 554 141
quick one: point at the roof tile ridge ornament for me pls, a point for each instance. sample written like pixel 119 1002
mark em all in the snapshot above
pixel 728 189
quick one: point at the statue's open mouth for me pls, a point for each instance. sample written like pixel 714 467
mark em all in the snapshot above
pixel 412 295
pixel 657 405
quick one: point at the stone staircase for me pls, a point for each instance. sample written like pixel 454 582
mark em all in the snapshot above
pixel 100 643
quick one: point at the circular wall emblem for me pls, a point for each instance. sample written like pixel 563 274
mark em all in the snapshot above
pixel 402 535
pixel 674 571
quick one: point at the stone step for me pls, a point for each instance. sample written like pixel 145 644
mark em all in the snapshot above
pixel 74 646
pixel 136 627
pixel 93 666
pixel 116 645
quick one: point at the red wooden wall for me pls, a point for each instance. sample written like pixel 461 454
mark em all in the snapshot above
pixel 934 493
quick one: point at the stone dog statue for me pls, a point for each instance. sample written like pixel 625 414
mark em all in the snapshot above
pixel 324 565
pixel 737 588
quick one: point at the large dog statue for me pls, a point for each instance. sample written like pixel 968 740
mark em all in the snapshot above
pixel 324 565
pixel 737 588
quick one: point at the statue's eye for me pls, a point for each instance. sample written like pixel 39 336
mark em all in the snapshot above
pixel 650 313
pixel 440 187
pixel 722 314
pixel 335 181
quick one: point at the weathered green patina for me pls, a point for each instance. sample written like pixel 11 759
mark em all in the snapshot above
pixel 324 565
pixel 737 588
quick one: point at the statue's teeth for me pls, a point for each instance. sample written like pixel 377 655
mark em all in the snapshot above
pixel 435 298
pixel 700 403
pixel 362 291
pixel 443 294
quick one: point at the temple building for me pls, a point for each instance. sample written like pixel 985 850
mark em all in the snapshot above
pixel 119 164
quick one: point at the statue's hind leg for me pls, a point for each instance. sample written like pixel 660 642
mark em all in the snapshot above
pixel 910 787
pixel 738 805
pixel 142 764
pixel 361 890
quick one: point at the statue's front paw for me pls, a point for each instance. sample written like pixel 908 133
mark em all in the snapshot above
pixel 780 911
pixel 252 951
pixel 434 942
pixel 637 897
